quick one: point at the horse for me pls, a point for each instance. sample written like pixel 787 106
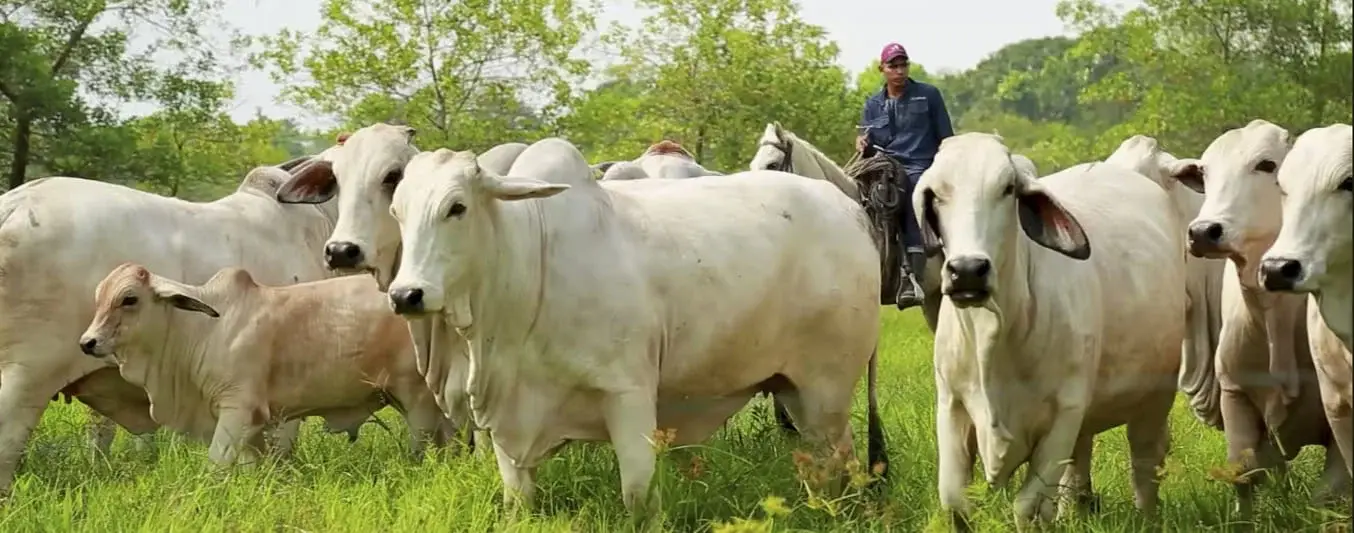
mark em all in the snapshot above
pixel 880 178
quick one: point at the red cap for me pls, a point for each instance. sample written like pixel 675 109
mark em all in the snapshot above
pixel 892 51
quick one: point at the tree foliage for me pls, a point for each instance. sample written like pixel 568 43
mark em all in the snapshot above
pixel 469 74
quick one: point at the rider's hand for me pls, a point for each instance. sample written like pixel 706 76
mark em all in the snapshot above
pixel 860 143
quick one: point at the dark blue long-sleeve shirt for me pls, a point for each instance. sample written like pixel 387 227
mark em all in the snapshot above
pixel 910 126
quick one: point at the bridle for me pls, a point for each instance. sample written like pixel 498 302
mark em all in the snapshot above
pixel 786 163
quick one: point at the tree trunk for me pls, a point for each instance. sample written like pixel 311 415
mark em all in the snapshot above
pixel 23 137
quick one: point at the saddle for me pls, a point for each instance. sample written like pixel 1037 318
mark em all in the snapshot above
pixel 879 179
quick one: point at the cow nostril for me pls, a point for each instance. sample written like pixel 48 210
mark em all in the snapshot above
pixel 970 267
pixel 1290 269
pixel 342 254
pixel 1213 232
pixel 87 346
pixel 414 297
pixel 981 268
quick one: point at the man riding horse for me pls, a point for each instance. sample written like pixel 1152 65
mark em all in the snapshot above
pixel 905 122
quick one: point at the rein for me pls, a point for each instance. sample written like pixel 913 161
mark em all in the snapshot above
pixel 879 180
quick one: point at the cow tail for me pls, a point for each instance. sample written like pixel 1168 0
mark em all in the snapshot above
pixel 877 449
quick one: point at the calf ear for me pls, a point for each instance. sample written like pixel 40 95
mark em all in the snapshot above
pixel 312 183
pixel 181 296
pixel 923 205
pixel 1048 223
pixel 1189 172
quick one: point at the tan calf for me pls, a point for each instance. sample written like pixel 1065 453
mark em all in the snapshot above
pixel 244 353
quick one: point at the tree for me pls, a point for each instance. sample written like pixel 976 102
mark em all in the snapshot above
pixel 68 62
pixel 459 72
pixel 710 75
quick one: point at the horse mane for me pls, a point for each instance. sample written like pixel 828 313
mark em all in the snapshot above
pixel 833 173
pixel 667 147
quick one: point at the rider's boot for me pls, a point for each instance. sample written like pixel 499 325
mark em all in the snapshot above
pixel 909 288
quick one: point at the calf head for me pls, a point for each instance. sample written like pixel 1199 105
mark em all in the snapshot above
pixel 446 209
pixel 972 198
pixel 130 303
pixel 1315 245
pixel 1240 215
pixel 363 171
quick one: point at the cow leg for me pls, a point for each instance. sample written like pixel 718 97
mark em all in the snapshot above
pixel 284 436
pixel 1340 414
pixel 1049 462
pixel 1244 432
pixel 101 431
pixel 238 437
pixel 1077 480
pixel 782 414
pixel 22 402
pixel 1334 480
pixel 519 484
pixel 954 439
pixel 427 424
pixel 631 419
pixel 824 415
pixel 1149 438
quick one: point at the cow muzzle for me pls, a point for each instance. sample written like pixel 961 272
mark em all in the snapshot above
pixel 968 280
pixel 1278 274
pixel 1206 239
pixel 341 255
pixel 92 347
pixel 407 301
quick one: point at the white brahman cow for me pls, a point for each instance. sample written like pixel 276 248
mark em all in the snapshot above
pixel 1314 253
pixel 366 166
pixel 1049 287
pixel 1198 379
pixel 220 359
pixel 60 236
pixel 662 160
pixel 603 311
pixel 1271 404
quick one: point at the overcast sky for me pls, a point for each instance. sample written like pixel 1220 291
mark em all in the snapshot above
pixel 940 34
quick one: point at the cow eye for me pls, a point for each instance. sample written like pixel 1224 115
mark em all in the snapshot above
pixel 1266 166
pixel 457 209
pixel 1347 185
pixel 128 301
pixel 392 179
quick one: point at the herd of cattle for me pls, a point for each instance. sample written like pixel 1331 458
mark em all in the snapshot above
pixel 513 296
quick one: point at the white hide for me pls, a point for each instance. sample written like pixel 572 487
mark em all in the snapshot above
pixel 1315 241
pixel 1263 357
pixel 60 236
pixel 1050 350
pixel 1318 222
pixel 572 291
pixel 1198 379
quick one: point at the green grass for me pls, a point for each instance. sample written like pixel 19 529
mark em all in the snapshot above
pixel 369 486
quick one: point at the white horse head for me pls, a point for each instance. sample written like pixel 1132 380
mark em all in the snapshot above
pixel 779 149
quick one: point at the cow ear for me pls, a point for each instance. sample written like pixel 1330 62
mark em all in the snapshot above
pixel 312 183
pixel 1189 172
pixel 924 205
pixel 180 296
pixel 510 188
pixel 1048 223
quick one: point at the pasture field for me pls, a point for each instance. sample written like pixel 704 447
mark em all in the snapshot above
pixel 746 472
